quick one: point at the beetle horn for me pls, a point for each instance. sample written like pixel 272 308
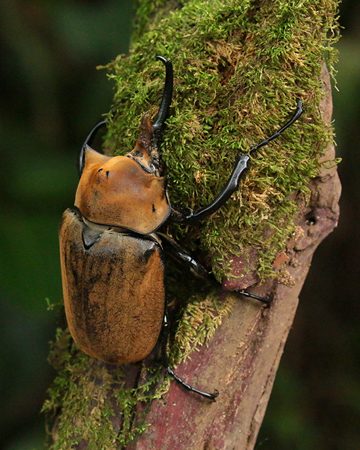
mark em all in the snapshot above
pixel 146 151
pixel 87 143
pixel 165 101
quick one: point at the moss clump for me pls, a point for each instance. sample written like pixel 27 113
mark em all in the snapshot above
pixel 96 410
pixel 199 321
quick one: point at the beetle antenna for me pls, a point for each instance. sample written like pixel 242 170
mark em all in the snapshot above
pixel 88 142
pixel 165 101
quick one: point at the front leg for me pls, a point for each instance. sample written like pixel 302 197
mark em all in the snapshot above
pixel 187 216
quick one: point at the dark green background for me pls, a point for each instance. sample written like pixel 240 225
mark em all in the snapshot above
pixel 51 95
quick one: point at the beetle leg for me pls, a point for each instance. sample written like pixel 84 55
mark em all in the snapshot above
pixel 186 215
pixel 178 254
pixel 190 388
pixel 172 373
pixel 267 300
pixel 298 112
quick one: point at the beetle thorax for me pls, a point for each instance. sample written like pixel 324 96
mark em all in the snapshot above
pixel 118 191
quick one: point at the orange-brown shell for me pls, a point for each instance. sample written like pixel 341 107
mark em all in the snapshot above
pixel 118 191
pixel 113 292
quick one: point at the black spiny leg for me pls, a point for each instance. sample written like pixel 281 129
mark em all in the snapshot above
pixel 186 215
pixel 190 388
pixel 178 379
pixel 298 112
pixel 266 300
pixel 178 254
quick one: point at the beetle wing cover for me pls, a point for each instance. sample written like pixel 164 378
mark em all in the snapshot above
pixel 113 292
pixel 118 191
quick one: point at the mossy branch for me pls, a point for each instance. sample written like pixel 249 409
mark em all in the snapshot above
pixel 239 66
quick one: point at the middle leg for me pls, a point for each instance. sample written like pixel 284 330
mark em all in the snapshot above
pixel 179 255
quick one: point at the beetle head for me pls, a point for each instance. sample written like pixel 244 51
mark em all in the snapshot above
pixel 118 191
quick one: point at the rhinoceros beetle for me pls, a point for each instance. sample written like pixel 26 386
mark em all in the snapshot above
pixel 112 255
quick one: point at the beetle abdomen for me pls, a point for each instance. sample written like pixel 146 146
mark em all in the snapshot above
pixel 113 291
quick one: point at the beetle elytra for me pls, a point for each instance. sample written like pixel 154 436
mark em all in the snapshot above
pixel 112 255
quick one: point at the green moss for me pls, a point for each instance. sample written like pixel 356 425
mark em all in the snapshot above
pixel 199 321
pixel 239 65
pixel 95 407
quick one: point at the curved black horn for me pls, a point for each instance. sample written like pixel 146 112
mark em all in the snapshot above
pixel 166 98
pixel 88 141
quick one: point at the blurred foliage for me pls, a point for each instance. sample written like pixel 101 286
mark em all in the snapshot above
pixel 51 96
